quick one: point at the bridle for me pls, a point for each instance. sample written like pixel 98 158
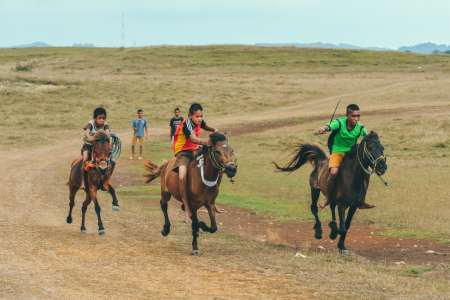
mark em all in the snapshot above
pixel 98 160
pixel 373 161
pixel 220 166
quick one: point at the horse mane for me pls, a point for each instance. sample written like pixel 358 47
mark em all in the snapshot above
pixel 217 137
pixel 351 154
pixel 101 137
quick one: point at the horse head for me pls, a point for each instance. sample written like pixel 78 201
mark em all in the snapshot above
pixel 372 153
pixel 221 154
pixel 101 152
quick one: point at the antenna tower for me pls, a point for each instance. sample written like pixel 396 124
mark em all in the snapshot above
pixel 123 30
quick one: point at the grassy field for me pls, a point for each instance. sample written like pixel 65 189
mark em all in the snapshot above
pixel 403 96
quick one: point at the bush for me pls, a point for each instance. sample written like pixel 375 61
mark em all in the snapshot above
pixel 25 68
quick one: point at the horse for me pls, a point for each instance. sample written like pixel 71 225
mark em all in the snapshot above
pixel 350 187
pixel 202 183
pixel 98 176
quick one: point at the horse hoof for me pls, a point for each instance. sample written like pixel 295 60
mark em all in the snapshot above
pixel 69 220
pixel 101 232
pixel 116 208
pixel 343 251
pixel 84 231
pixel 164 233
pixel 317 236
pixel 195 252
pixel 333 235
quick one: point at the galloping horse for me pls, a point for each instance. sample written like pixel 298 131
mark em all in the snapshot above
pixel 97 177
pixel 202 183
pixel 350 186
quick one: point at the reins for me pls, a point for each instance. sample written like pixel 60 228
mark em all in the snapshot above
pixel 373 161
pixel 224 165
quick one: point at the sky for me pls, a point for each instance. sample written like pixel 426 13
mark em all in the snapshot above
pixel 381 23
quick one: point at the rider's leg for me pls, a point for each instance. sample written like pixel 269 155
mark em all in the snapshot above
pixel 182 172
pixel 330 186
pixel 86 156
pixel 365 205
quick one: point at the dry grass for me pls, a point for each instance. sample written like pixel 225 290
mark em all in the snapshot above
pixel 43 112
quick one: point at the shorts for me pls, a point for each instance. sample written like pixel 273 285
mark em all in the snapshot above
pixel 183 158
pixel 86 147
pixel 136 138
pixel 336 160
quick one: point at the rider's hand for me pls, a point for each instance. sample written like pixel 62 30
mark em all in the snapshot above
pixel 208 143
pixel 91 139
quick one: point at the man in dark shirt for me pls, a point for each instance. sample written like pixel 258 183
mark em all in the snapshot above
pixel 175 122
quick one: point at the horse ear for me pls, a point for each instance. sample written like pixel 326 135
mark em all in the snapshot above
pixel 226 137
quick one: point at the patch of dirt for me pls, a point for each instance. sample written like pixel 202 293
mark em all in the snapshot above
pixel 362 239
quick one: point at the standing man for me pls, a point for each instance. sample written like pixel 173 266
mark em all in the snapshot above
pixel 138 125
pixel 175 122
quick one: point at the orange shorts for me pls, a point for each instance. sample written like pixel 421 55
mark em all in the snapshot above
pixel 335 160
pixel 135 139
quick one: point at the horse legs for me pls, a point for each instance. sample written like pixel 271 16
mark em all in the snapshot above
pixel 348 221
pixel 72 193
pixel 333 224
pixel 195 231
pixel 315 193
pixel 101 230
pixel 83 211
pixel 115 202
pixel 212 217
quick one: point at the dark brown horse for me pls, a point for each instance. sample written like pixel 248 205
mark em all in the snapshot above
pixel 202 183
pixel 349 188
pixel 97 177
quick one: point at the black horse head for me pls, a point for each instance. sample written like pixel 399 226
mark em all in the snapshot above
pixel 373 153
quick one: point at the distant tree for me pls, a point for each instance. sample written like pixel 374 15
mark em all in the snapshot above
pixel 408 51
pixel 447 52
pixel 436 51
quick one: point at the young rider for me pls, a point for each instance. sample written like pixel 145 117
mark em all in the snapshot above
pixel 185 142
pixel 97 124
pixel 348 130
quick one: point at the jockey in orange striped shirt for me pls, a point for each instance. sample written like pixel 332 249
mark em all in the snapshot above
pixel 185 142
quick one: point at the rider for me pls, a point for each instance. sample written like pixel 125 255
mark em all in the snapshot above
pixel 97 124
pixel 185 142
pixel 347 131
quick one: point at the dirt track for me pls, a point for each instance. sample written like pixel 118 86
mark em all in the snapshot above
pixel 41 256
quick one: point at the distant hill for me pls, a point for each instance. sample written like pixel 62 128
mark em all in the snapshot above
pixel 35 44
pixel 322 45
pixel 83 45
pixel 425 48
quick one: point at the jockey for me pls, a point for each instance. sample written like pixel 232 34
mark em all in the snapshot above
pixel 185 142
pixel 346 132
pixel 97 124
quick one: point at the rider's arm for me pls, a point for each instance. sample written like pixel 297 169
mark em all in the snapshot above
pixel 198 141
pixel 209 128
pixel 86 134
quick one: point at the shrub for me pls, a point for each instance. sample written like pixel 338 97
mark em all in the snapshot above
pixel 25 68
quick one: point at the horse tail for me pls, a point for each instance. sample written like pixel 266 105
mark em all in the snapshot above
pixel 154 170
pixel 303 153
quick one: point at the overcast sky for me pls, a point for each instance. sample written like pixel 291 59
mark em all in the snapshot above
pixel 381 23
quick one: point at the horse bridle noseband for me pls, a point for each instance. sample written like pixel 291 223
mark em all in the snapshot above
pixel 373 161
pixel 97 160
pixel 216 165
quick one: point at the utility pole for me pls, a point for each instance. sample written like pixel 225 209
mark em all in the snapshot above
pixel 123 30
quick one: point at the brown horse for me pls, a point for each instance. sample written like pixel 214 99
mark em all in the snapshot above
pixel 350 187
pixel 98 177
pixel 202 183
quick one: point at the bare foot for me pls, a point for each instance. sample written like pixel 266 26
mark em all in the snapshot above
pixel 323 204
pixel 219 210
pixel 365 205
